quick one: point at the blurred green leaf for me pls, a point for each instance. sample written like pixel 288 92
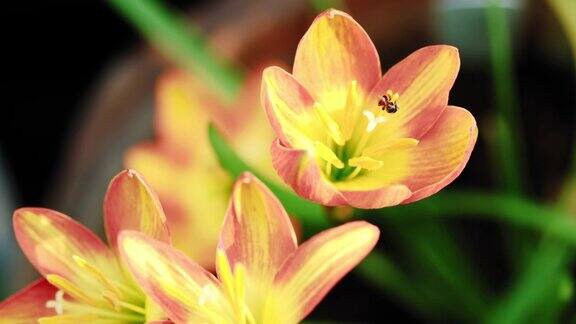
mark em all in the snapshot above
pixel 440 264
pixel 321 5
pixel 506 145
pixel 504 208
pixel 182 43
pixel 310 215
pixel 539 283
pixel 384 274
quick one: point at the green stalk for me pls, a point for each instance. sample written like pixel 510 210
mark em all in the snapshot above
pixel 181 43
pixel 536 291
pixel 506 146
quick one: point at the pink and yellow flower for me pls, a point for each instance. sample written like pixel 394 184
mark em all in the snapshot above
pixel 181 166
pixel 84 279
pixel 263 276
pixel 337 145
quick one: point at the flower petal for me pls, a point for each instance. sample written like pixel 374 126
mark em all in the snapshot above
pixel 299 170
pixel 257 231
pixel 321 262
pixel 442 153
pixel 289 108
pixel 192 211
pixel 423 80
pixel 390 195
pixel 50 240
pixel 335 51
pixel 131 204
pixel 28 304
pixel 184 290
pixel 179 113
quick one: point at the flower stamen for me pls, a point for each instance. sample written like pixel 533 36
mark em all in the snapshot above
pixel 328 155
pixel 365 162
pixel 329 123
pixel 82 263
pixel 351 111
pixel 71 289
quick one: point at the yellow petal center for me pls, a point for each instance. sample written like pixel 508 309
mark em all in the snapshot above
pixel 351 147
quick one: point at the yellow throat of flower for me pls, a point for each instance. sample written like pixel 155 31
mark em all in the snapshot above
pixel 358 143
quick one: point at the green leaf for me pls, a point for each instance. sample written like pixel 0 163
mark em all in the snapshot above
pixel 310 215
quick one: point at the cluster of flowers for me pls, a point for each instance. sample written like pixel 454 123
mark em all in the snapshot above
pixel 342 134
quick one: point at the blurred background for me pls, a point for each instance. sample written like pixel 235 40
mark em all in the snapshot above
pixel 77 91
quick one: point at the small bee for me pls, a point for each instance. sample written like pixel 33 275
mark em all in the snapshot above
pixel 388 102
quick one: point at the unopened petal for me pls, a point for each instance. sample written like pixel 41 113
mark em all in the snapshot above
pixel 321 262
pixel 130 204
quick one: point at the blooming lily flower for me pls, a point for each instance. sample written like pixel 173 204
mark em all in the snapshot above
pixel 347 136
pixel 263 276
pixel 83 278
pixel 181 157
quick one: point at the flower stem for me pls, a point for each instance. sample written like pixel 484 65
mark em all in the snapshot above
pixel 505 146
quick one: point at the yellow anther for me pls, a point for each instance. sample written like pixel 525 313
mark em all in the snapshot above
pixel 71 289
pixel 329 123
pixel 390 145
pixel 82 263
pixel 328 155
pixel 112 299
pixel 365 162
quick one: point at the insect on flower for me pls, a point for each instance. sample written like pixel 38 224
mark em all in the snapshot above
pixel 388 102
